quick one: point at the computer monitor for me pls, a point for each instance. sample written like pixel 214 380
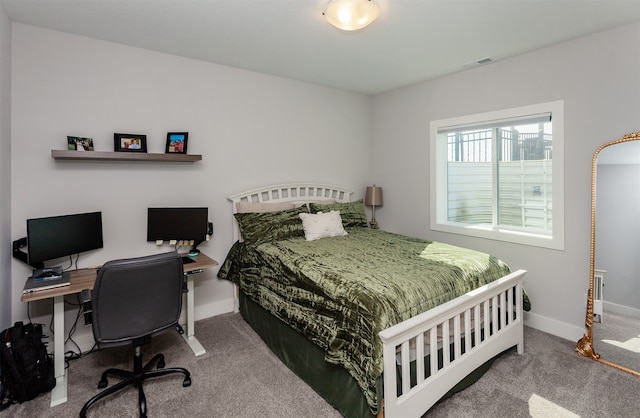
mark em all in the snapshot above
pixel 59 236
pixel 179 224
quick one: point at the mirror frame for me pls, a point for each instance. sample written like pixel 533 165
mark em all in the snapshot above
pixel 585 344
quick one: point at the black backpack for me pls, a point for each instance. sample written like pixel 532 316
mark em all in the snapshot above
pixel 26 370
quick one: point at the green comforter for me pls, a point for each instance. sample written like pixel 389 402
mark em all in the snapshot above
pixel 341 292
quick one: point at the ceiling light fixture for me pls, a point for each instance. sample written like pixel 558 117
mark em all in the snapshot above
pixel 351 14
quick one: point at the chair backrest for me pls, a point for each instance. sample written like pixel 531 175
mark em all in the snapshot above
pixel 136 297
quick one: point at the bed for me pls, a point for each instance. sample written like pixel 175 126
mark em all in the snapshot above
pixel 377 323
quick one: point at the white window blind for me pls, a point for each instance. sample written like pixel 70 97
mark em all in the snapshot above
pixel 497 123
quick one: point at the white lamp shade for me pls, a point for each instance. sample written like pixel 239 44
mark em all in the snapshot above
pixel 351 14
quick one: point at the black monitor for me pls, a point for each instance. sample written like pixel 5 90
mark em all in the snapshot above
pixel 179 224
pixel 60 236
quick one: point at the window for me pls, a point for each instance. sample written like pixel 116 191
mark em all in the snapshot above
pixel 500 175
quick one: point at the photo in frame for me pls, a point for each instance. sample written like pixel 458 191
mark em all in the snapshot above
pixel 129 143
pixel 76 143
pixel 176 142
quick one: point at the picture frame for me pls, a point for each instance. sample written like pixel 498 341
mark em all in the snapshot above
pixel 76 143
pixel 129 143
pixel 176 143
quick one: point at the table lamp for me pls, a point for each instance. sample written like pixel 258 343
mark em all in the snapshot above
pixel 373 198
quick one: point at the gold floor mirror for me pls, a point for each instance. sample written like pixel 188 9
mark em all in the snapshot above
pixel 613 311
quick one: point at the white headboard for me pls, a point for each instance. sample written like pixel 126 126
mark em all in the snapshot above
pixel 292 192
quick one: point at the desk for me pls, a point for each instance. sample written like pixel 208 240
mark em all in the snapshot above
pixel 200 263
pixel 84 279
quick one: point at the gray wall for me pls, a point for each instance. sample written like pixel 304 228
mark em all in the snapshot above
pixel 252 129
pixel 5 170
pixel 598 77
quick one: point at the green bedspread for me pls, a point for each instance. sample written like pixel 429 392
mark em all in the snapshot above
pixel 341 292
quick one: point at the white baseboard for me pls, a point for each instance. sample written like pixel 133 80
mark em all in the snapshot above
pixel 621 309
pixel 542 323
pixel 208 310
pixel 554 327
pixel 84 338
pixel 84 335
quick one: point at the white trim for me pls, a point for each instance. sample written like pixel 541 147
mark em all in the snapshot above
pixel 202 311
pixel 554 327
pixel 438 170
pixel 621 309
pixel 493 123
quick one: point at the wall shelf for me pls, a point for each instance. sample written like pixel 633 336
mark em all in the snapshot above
pixel 122 156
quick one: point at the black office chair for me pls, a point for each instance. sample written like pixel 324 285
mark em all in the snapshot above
pixel 133 300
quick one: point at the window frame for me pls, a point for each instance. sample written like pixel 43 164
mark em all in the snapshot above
pixel 438 178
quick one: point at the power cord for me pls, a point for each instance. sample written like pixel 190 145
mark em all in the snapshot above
pixel 70 354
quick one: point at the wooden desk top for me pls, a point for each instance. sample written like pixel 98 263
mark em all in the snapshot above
pixel 82 279
pixel 202 261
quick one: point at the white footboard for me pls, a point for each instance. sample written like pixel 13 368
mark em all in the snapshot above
pixel 469 330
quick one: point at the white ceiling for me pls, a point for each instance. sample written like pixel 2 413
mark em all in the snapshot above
pixel 413 41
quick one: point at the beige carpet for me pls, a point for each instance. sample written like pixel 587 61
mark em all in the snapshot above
pixel 239 377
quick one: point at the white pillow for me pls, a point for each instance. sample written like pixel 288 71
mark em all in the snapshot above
pixel 322 225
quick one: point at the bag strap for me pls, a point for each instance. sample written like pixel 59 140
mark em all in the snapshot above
pixel 36 333
pixel 5 397
pixel 16 332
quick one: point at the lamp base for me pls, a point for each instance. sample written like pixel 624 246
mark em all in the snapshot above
pixel 373 224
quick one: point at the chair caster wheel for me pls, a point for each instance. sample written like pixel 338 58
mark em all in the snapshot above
pixel 102 383
pixel 186 382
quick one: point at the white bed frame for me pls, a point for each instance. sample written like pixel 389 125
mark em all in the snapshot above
pixel 462 320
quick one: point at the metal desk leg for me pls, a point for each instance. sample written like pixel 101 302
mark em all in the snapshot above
pixel 189 336
pixel 59 392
